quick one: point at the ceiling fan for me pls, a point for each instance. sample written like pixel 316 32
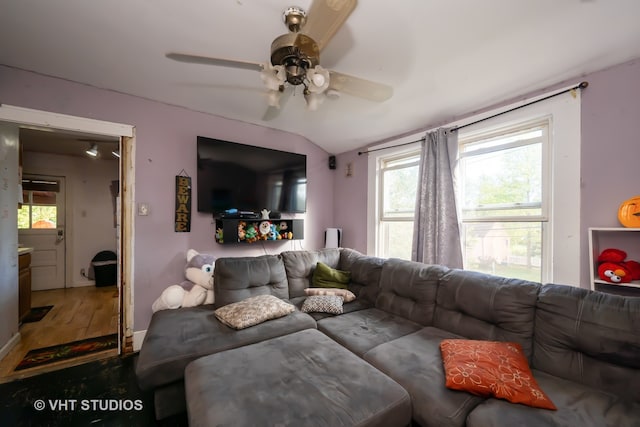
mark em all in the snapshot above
pixel 295 59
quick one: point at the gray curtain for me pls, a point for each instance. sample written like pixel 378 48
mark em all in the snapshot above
pixel 436 236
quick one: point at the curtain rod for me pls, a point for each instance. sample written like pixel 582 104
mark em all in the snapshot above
pixel 582 85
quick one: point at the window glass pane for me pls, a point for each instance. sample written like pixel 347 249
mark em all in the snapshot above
pixel 399 192
pixel 396 239
pixel 23 217
pixel 510 249
pixel 44 217
pixel 44 198
pixel 503 183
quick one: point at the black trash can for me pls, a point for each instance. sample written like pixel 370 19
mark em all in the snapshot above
pixel 105 268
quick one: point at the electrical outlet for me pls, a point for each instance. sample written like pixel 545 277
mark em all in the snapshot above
pixel 143 209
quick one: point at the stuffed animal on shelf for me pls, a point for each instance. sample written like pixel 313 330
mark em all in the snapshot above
pixel 196 290
pixel 241 230
pixel 251 234
pixel 273 233
pixel 613 267
pixel 264 228
pixel 219 235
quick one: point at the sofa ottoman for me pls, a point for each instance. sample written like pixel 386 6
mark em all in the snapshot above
pixel 304 378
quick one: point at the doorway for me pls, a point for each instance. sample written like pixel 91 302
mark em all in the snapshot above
pixel 32 119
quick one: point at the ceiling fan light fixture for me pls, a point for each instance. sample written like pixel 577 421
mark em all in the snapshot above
pixel 93 151
pixel 318 79
pixel 273 98
pixel 313 100
pixel 273 76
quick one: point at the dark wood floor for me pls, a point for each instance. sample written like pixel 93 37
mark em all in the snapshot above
pixel 100 393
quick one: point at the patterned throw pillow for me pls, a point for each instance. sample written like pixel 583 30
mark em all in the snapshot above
pixel 346 295
pixel 327 277
pixel 331 304
pixel 252 311
pixel 491 368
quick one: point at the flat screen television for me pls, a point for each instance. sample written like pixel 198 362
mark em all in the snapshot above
pixel 249 178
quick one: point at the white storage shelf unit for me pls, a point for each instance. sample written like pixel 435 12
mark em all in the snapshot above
pixel 601 238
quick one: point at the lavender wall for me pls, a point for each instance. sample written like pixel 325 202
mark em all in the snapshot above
pixel 351 200
pixel 165 144
pixel 610 148
pixel 610 151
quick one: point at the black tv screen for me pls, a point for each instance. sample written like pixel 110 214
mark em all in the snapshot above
pixel 249 178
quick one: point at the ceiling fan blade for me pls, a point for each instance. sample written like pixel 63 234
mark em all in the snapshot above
pixel 361 88
pixel 207 60
pixel 325 17
pixel 273 112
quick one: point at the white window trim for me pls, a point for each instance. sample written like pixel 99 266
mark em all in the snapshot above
pixel 373 171
pixel 563 258
pixel 561 252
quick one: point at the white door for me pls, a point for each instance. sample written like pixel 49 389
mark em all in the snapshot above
pixel 41 227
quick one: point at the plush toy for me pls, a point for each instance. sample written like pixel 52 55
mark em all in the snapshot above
pixel 283 230
pixel 264 228
pixel 196 290
pixel 251 234
pixel 614 268
pixel 273 234
pixel 219 235
pixel 241 230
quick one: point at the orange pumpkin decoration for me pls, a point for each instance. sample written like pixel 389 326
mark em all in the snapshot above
pixel 629 212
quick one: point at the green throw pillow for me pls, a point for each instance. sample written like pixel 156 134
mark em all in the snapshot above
pixel 327 277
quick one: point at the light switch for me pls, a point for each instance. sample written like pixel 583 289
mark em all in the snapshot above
pixel 143 209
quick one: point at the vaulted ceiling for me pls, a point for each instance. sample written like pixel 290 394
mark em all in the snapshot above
pixel 442 58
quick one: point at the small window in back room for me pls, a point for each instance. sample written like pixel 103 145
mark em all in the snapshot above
pixel 39 205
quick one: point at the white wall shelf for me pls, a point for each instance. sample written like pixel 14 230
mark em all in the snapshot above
pixel 601 238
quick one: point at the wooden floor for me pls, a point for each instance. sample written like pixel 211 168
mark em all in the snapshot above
pixel 77 313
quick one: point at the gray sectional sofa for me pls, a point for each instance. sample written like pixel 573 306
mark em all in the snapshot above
pixel 583 347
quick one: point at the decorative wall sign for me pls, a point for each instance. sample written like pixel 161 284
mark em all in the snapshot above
pixel 183 203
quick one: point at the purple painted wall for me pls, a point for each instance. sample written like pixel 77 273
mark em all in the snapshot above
pixel 166 144
pixel 351 200
pixel 610 153
pixel 610 148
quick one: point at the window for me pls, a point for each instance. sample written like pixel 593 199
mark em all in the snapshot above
pixel 39 206
pixel 503 200
pixel 396 203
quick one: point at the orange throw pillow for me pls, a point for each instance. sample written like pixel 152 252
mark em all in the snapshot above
pixel 492 369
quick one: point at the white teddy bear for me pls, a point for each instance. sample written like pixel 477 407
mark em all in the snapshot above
pixel 196 290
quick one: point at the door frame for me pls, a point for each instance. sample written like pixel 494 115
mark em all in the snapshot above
pixel 24 117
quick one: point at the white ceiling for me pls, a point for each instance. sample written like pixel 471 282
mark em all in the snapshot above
pixel 443 58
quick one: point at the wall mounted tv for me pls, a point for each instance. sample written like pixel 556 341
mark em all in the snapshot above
pixel 249 178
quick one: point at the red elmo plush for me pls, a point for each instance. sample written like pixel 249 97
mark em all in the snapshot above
pixel 614 269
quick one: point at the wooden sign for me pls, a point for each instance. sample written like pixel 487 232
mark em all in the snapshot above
pixel 183 204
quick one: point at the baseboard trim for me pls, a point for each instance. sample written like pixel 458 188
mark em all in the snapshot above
pixel 82 284
pixel 9 345
pixel 138 337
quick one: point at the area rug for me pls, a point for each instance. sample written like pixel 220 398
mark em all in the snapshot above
pixel 56 353
pixel 36 314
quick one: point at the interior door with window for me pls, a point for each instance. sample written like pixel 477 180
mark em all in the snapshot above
pixel 41 227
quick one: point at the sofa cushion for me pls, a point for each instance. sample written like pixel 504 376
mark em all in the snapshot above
pixel 414 361
pixel 589 337
pixel 347 307
pixel 347 295
pixel 491 369
pixel 326 277
pixel 362 330
pixel 578 405
pixel 299 266
pixel 408 289
pixel 176 337
pixel 484 307
pixel 237 279
pixel 331 304
pixel 253 311
pixel 365 273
